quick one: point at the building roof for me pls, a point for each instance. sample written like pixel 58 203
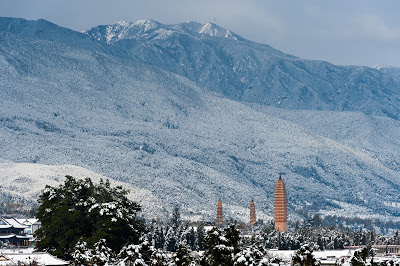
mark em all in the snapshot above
pixel 7 236
pixel 42 258
pixel 4 260
pixel 28 221
pixel 5 226
pixel 23 237
pixel 323 255
pixel 12 223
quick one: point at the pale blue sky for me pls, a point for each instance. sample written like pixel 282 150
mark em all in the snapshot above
pixel 358 32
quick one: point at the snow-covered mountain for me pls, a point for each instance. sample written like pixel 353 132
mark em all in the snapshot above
pixel 243 70
pixel 389 70
pixel 25 181
pixel 89 101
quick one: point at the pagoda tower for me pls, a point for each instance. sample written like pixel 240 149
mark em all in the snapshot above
pixel 252 215
pixel 219 213
pixel 280 206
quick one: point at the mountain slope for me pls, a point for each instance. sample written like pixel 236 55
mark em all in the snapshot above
pixel 160 132
pixel 217 59
pixel 25 181
pixel 389 70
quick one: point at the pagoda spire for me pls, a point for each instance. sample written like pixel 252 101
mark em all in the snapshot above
pixel 219 212
pixel 252 215
pixel 280 206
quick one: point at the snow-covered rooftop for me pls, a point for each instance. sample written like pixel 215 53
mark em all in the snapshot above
pixel 28 221
pixel 14 223
pixel 28 258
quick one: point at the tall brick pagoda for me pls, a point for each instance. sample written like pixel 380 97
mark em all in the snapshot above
pixel 252 215
pixel 280 206
pixel 219 213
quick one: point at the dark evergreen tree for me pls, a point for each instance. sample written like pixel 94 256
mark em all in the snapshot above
pixel 102 255
pixel 79 209
pixel 316 220
pixel 176 217
pixel 359 257
pixel 252 254
pixel 82 254
pixel 171 240
pixel 159 237
pixel 217 250
pixel 191 239
pixel 141 254
pixel 304 257
pixel 200 234
pixel 182 257
pixel 320 242
pixel 233 237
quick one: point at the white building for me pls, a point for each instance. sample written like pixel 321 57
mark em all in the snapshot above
pixel 32 224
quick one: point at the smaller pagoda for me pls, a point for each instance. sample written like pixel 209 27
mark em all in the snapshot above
pixel 219 213
pixel 252 215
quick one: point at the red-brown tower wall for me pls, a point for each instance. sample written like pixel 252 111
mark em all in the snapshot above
pixel 280 206
pixel 252 215
pixel 219 213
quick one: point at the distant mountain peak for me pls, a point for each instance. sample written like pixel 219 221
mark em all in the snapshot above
pixel 139 29
pixel 381 66
pixel 214 30
pixel 147 24
pixel 388 69
pixel 123 23
pixel 122 30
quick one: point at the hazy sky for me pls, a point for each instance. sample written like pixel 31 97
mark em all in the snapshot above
pixel 356 32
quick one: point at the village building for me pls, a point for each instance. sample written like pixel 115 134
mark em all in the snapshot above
pixel 32 223
pixel 13 232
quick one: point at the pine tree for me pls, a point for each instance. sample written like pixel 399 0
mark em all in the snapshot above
pixel 233 237
pixel 82 254
pixel 176 217
pixel 191 239
pixel 359 257
pixel 171 239
pixel 159 237
pixel 200 234
pixel 253 254
pixel 221 247
pixel 79 209
pixel 182 257
pixel 102 254
pixel 131 255
pixel 304 257
pixel 142 255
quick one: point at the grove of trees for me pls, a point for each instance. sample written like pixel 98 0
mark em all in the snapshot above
pixel 96 224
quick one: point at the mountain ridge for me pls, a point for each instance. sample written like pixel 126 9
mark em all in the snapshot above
pixel 97 108
pixel 257 73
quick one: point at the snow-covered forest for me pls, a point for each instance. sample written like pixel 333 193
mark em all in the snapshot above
pixel 91 223
pixel 187 113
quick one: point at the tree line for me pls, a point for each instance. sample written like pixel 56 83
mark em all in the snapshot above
pixel 96 224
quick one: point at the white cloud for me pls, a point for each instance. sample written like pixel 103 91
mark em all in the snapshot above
pixel 373 27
